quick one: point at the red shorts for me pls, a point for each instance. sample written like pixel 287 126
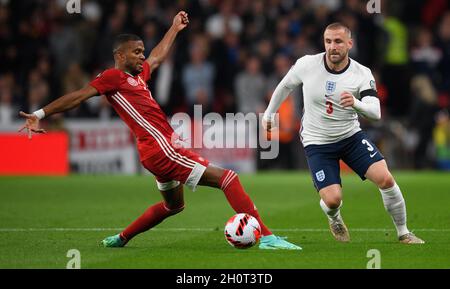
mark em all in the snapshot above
pixel 172 165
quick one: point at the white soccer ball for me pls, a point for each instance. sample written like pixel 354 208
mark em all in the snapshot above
pixel 242 231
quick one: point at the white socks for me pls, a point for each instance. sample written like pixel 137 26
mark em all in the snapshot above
pixel 332 214
pixel 395 206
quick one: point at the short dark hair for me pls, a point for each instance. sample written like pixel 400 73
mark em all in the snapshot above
pixel 123 38
pixel 339 25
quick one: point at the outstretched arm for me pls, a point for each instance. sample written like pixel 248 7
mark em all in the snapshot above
pixel 159 53
pixel 65 102
pixel 282 91
pixel 279 95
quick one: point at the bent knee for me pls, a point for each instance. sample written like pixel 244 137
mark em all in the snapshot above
pixel 386 182
pixel 174 209
pixel 227 178
pixel 167 186
pixel 331 196
pixel 333 202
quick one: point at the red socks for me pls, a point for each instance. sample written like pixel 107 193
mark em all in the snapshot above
pixel 230 185
pixel 238 198
pixel 151 217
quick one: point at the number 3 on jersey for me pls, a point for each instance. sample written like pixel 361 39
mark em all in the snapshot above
pixel 329 107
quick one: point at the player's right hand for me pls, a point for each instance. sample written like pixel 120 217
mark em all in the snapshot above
pixel 31 124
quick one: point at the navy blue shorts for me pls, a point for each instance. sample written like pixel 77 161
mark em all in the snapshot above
pixel 357 151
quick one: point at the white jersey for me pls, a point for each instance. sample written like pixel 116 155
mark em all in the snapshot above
pixel 324 120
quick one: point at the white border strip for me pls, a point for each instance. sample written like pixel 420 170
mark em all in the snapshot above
pixel 203 230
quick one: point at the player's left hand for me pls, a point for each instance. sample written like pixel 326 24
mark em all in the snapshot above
pixel 268 124
pixel 180 21
pixel 347 99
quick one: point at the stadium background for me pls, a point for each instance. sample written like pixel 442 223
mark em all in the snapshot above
pixel 229 59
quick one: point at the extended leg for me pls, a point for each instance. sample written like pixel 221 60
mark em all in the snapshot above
pixel 228 181
pixel 173 203
pixel 393 200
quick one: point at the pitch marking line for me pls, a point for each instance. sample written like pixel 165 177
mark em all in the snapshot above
pixel 201 230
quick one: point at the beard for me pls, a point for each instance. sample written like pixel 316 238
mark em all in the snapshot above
pixel 335 57
pixel 133 69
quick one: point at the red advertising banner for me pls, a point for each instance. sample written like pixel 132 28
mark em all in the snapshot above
pixel 44 154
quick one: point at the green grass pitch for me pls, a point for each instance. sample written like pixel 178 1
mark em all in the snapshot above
pixel 41 218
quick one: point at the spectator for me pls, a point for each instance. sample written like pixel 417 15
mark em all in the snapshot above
pixel 8 110
pixel 250 87
pixel 39 40
pixel 38 94
pixel 395 71
pixel 65 46
pixel 75 78
pixel 424 109
pixel 198 75
pixel 424 55
pixel 444 45
pixel 226 19
pixel 289 124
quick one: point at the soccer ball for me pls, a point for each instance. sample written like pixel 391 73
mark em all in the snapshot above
pixel 242 231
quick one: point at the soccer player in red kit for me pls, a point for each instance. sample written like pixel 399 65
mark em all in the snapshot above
pixel 126 90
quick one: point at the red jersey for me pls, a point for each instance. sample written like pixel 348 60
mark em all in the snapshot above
pixel 133 101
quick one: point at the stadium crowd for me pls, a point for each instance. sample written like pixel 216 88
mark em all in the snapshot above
pixel 232 56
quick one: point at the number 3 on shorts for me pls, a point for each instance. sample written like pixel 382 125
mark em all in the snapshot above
pixel 369 146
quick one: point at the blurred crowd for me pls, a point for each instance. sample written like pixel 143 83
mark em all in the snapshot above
pixel 232 56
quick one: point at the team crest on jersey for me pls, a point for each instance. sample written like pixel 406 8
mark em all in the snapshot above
pixel 132 81
pixel 330 86
pixel 320 176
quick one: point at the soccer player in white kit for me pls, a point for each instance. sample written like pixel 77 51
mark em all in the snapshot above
pixel 336 89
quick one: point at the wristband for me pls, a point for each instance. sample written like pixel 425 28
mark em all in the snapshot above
pixel 269 117
pixel 40 114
